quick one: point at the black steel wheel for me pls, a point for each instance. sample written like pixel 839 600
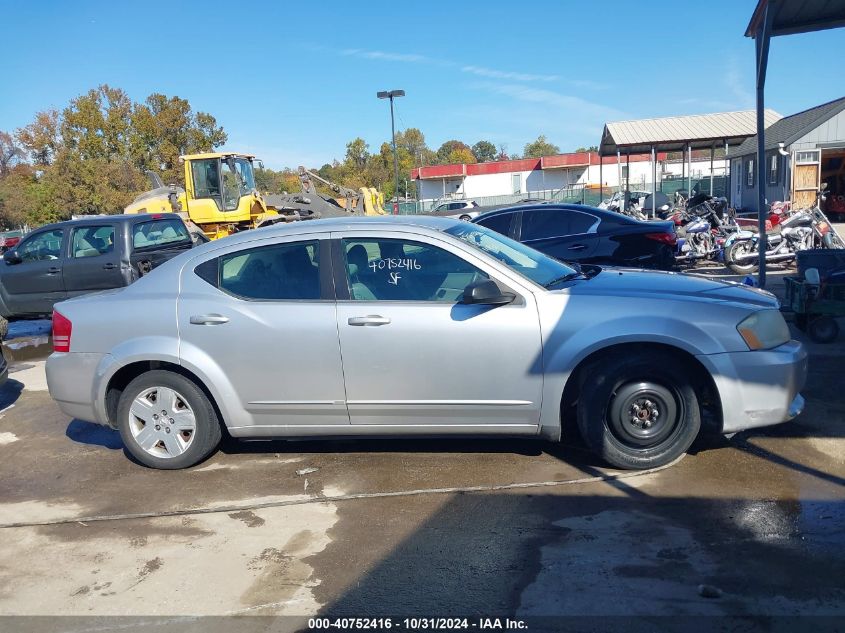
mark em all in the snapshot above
pixel 638 410
pixel 823 329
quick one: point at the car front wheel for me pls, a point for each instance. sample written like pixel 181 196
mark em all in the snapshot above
pixel 166 421
pixel 638 410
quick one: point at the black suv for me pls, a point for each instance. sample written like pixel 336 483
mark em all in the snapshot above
pixel 63 260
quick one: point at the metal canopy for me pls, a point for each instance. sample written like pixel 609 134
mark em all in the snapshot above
pixel 772 18
pixel 672 134
pixel 798 16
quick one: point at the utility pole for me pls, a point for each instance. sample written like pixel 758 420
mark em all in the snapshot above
pixel 391 94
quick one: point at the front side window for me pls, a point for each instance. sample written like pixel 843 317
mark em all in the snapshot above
pixel 47 245
pixel 401 270
pixel 157 233
pixel 278 272
pixel 522 259
pixel 92 241
pixel 206 178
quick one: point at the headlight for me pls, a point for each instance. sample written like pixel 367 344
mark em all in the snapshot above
pixel 764 330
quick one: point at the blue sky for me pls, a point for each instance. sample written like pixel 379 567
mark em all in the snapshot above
pixel 293 82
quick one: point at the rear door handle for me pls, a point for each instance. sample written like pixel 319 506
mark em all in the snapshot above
pixel 109 266
pixel 208 319
pixel 577 247
pixel 370 319
pixel 54 269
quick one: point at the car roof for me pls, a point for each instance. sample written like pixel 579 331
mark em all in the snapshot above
pixel 116 217
pixel 326 225
pixel 560 206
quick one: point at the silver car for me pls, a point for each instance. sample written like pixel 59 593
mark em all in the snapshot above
pixel 418 327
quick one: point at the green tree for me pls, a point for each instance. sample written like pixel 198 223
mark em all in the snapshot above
pixel 591 148
pixel 484 151
pixel 357 153
pixel 540 147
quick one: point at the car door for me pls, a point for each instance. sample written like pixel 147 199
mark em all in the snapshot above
pixel 565 234
pixel 93 262
pixel 264 313
pixel 35 282
pixel 417 359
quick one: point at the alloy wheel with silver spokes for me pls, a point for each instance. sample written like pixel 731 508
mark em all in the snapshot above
pixel 162 422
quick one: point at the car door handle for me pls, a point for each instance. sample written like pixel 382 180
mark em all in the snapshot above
pixel 577 247
pixel 209 319
pixel 109 266
pixel 370 319
pixel 54 269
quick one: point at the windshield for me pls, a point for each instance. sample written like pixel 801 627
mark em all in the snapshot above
pixel 244 167
pixel 526 261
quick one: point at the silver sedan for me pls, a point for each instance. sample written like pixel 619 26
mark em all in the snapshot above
pixel 418 327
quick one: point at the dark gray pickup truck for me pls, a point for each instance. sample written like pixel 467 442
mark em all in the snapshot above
pixel 63 260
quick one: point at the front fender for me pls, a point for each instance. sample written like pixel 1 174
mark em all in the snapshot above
pixel 565 348
pixel 738 237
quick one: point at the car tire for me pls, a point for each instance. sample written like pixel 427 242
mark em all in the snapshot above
pixel 465 218
pixel 617 389
pixel 195 429
pixel 822 329
pixel 4 328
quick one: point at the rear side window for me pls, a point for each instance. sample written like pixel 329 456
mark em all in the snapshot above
pixel 91 241
pixel 277 272
pixel 159 233
pixel 500 223
pixel 545 223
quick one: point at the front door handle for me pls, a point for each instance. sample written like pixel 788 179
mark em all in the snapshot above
pixel 208 319
pixel 109 266
pixel 577 247
pixel 54 269
pixel 370 319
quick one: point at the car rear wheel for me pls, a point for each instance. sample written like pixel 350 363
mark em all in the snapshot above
pixel 638 411
pixel 166 421
pixel 465 218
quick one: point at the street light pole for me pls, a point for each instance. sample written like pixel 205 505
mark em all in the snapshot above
pixel 391 94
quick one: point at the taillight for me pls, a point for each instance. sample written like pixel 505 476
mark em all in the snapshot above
pixel 61 332
pixel 665 238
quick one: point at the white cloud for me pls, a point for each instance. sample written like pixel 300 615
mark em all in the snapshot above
pixel 386 56
pixel 501 74
pixel 568 103
pixel 737 85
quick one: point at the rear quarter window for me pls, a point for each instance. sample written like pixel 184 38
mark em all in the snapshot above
pixel 500 223
pixel 157 233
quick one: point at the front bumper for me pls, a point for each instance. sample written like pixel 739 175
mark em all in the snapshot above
pixel 759 388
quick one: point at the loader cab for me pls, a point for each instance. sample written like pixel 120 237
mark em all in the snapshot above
pixel 223 180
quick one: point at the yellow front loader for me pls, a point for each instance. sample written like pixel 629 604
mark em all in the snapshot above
pixel 221 198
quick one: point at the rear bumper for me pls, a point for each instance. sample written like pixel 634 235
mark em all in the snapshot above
pixel 72 379
pixel 759 388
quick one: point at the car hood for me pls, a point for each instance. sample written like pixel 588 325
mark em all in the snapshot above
pixel 669 285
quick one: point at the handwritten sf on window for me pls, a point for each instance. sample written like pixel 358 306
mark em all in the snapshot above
pixel 395 264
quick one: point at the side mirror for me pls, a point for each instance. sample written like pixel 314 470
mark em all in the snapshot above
pixel 12 257
pixel 486 292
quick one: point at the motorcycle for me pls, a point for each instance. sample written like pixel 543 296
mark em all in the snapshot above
pixel 808 228
pixel 703 229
